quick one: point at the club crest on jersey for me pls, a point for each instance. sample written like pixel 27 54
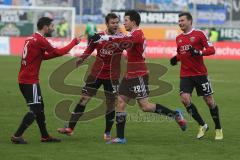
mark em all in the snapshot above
pixel 192 39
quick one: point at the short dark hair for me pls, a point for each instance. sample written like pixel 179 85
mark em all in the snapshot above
pixel 43 21
pixel 187 14
pixel 134 16
pixel 110 16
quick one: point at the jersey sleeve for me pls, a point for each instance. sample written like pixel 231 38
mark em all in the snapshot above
pixel 56 52
pixel 88 51
pixel 135 37
pixel 209 48
pixel 50 55
pixel 178 52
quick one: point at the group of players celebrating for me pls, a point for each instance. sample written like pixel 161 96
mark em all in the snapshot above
pixel 192 45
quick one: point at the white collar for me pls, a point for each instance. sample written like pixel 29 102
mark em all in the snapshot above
pixel 134 30
pixel 39 34
pixel 188 32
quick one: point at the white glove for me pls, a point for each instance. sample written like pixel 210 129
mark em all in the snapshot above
pixel 103 38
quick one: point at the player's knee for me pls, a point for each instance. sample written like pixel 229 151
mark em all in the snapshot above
pixel 209 101
pixel 121 104
pixel 185 99
pixel 145 107
pixel 36 108
pixel 84 100
pixel 31 115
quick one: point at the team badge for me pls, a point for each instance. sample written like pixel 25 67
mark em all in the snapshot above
pixel 192 39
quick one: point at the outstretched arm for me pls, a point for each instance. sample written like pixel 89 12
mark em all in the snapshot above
pixel 57 52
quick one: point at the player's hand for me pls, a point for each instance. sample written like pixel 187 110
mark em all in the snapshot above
pixel 95 37
pixel 79 39
pixel 103 38
pixel 195 52
pixel 79 61
pixel 173 61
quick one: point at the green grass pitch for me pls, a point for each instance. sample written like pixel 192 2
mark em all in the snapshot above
pixel 154 140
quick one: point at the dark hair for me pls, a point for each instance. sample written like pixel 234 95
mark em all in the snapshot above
pixel 134 16
pixel 43 21
pixel 187 14
pixel 110 16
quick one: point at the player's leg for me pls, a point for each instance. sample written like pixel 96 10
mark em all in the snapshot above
pixel 192 110
pixel 75 116
pixel 141 92
pixel 124 96
pixel 32 95
pixel 88 91
pixel 146 106
pixel 213 107
pixel 205 90
pixel 186 88
pixel 27 92
pixel 110 90
pixel 120 119
pixel 38 109
pixel 78 111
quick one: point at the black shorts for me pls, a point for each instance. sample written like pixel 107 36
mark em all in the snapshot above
pixel 135 88
pixel 201 83
pixel 31 93
pixel 93 84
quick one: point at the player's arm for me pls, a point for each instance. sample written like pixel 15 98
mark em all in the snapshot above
pixel 87 52
pixel 133 38
pixel 208 47
pixel 52 52
pixel 174 60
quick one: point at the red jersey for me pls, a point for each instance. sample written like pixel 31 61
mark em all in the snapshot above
pixel 36 49
pixel 108 58
pixel 135 43
pixel 193 65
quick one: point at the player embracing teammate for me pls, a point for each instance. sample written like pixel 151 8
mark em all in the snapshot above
pixel 134 85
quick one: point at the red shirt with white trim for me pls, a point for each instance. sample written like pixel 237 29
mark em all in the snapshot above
pixel 108 58
pixel 135 44
pixel 193 65
pixel 36 49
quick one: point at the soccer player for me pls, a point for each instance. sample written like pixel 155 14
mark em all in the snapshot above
pixel 192 45
pixel 37 49
pixel 105 71
pixel 135 83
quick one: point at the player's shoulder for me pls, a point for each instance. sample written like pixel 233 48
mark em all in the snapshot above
pixel 38 37
pixel 179 35
pixel 199 32
pixel 101 32
pixel 137 31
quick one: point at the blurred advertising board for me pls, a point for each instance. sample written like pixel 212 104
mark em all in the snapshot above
pixel 226 34
pixel 153 17
pixel 155 49
pixel 216 16
pixel 15 23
